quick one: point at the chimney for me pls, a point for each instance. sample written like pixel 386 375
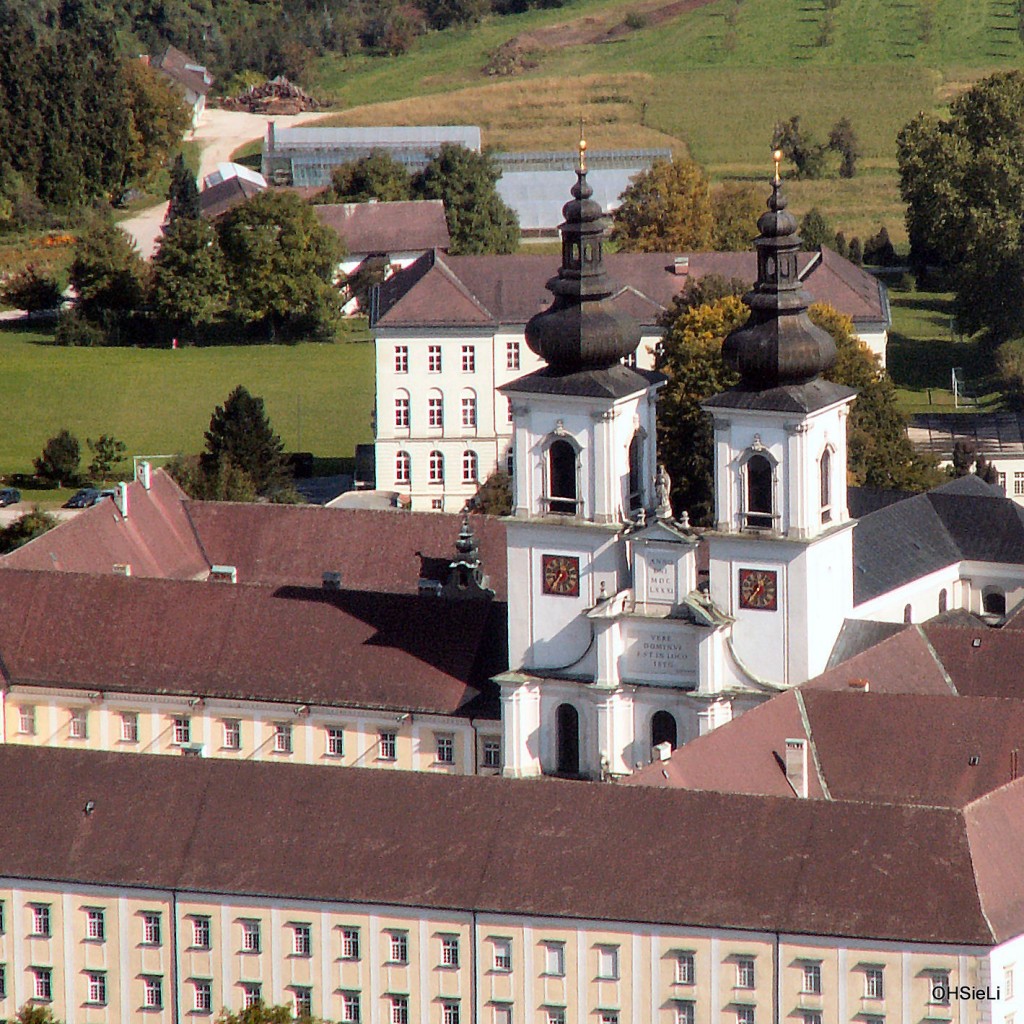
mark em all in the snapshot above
pixel 271 137
pixel 662 751
pixel 796 766
pixel 332 580
pixel 121 498
pixel 681 266
pixel 859 685
pixel 144 474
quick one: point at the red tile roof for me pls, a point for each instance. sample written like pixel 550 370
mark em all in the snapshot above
pixel 552 849
pixel 218 199
pixel 184 70
pixel 387 227
pixel 980 661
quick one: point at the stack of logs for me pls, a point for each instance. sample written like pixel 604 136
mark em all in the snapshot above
pixel 278 96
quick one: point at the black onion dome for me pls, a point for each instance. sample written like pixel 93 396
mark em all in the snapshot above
pixel 778 344
pixel 581 330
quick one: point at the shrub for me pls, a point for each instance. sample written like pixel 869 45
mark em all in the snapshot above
pixel 74 331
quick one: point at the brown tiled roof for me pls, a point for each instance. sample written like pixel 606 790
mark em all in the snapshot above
pixel 567 850
pixel 156 539
pixel 182 69
pixel 386 551
pixel 218 199
pixel 981 662
pixel 291 643
pixel 387 227
pixel 510 289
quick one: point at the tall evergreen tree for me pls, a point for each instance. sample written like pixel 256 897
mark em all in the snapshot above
pixel 183 194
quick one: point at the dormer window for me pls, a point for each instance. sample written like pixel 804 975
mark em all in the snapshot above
pixel 562 497
pixel 759 511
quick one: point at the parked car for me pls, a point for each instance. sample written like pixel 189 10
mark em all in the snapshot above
pixel 9 496
pixel 83 498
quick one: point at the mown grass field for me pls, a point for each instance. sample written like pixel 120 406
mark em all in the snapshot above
pixel 319 397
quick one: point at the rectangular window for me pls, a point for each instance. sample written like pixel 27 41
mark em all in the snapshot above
pixel 554 959
pixel 97 989
pixel 812 979
pixel 302 942
pixel 609 1017
pixel 182 730
pixel 202 996
pixel 449 951
pixel 491 752
pixel 469 358
pixel 350 1007
pixel 40 920
pixel 3 917
pixel 386 747
pixel 434 358
pixel 399 1010
pixel 252 993
pixel 152 993
pixel 282 738
pixel 608 962
pixel 811 1016
pixel 129 727
pixel 469 411
pixel 402 411
pixel 510 413
pixel 403 467
pixel 95 926
pixel 450 1013
pixel 684 1012
pixel 745 972
pixel 435 412
pixel 250 936
pixel 335 742
pixel 43 987
pixel 938 994
pixel 78 726
pixel 685 968
pixel 502 1013
pixel 401 359
pixel 512 355
pixel 874 983
pixel 445 749
pixel 350 943
pixel 744 1015
pixel 1018 483
pixel 151 929
pixel 303 1001
pixel 470 467
pixel 27 720
pixel 200 933
pixel 1008 983
pixel 232 734
pixel 399 947
pixel 3 981
pixel 556 1016
pixel 502 955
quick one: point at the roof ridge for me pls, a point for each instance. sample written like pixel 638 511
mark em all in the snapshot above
pixel 441 263
pixel 938 661
pixel 805 719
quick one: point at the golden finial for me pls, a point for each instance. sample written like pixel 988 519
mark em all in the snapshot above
pixel 777 157
pixel 583 150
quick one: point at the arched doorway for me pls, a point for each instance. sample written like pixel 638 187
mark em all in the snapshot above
pixel 663 729
pixel 567 721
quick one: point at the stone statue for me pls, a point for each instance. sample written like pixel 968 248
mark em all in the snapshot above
pixel 662 488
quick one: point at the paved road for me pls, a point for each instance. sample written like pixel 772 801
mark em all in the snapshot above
pixel 12 512
pixel 220 133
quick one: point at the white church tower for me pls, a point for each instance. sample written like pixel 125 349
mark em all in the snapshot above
pixel 781 556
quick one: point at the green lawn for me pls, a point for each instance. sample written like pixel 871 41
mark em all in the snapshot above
pixel 319 397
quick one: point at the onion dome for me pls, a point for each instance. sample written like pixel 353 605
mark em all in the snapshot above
pixel 778 344
pixel 581 330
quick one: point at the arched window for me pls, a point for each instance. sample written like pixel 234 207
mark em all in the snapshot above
pixel 436 467
pixel 908 613
pixel 403 468
pixel 663 729
pixel 993 601
pixel 562 478
pixel 943 601
pixel 470 467
pixel 402 409
pixel 825 469
pixel 636 470
pixel 567 722
pixel 759 492
pixel 469 409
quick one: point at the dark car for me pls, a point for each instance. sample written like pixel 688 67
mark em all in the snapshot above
pixel 83 498
pixel 9 496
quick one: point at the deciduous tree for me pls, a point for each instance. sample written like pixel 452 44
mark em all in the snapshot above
pixel 107 451
pixel 735 208
pixel 59 460
pixel 32 290
pixel 106 271
pixel 446 13
pixel 378 175
pixel 843 140
pixel 190 288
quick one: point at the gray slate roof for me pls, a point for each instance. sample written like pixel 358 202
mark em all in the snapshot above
pixel 797 398
pixel 613 382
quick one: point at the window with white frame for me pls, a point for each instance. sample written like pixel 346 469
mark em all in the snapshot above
pixel 1001 480
pixel 510 414
pixel 399 942
pixel 202 995
pixel 350 1007
pixel 401 359
pixel 335 741
pixel 282 738
pixel 252 993
pixel 303 1001
pixel 510 461
pixel 445 748
pixel 469 411
pixel 874 983
pixel 232 734
pixel 608 962
pixel 27 720
pixel 759 511
pixel 491 751
pixel 129 727
pixel 437 504
pixel 449 951
pixel 554 959
pixel 555 1015
pixel 182 730
pixel 40 920
pixel 811 1016
pixel 302 941
pixel 200 932
pixel 812 979
pixel 502 1013
pixel 250 935
pixel 450 1012
pixel 745 972
pixel 1007 982
pixel 938 990
pixel 436 468
pixel 561 478
pixel 3 916
pixel 469 358
pixel 43 984
pixel 745 1015
pixel 3 981
pixel 399 1010
pixel 95 924
pixel 402 410
pixel 78 725
pixel 435 411
pixel 609 1017
pixel 685 973
pixel 350 943
pixel 386 746
pixel 684 1012
pixel 403 467
pixel 151 928
pixel 511 355
pixel 152 992
pixel 434 358
pixel 470 467
pixel 97 984
pixel 825 481
pixel 1018 483
pixel 502 963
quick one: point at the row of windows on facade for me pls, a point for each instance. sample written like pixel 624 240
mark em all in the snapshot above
pixel 435 411
pixel 435 467
pixel 993 602
pixel 231 737
pixel 435 363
